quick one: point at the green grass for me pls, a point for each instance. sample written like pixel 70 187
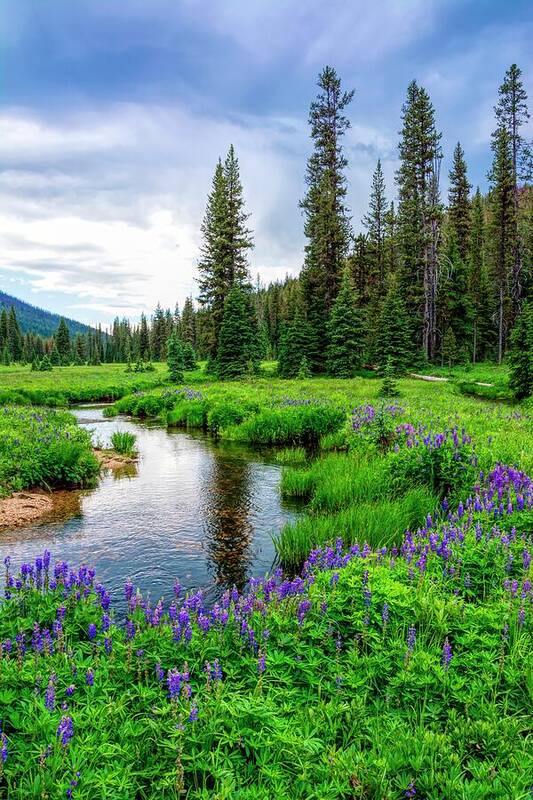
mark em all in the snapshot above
pixel 65 385
pixel 123 442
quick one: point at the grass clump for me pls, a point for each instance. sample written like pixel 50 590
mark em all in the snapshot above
pixel 123 442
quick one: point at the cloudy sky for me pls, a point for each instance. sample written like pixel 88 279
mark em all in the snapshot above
pixel 114 112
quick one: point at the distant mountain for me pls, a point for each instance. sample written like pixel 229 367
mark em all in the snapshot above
pixel 38 320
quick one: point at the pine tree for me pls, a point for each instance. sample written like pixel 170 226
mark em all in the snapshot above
pixel 294 343
pixel 159 335
pixel 189 356
pixel 345 332
pixel 62 340
pixel 226 240
pixel 237 344
pixel 419 214
pixel 393 341
pixel 46 364
pixel 511 114
pixel 449 348
pixel 389 387
pixel 55 358
pixel 175 360
pixel 14 336
pixel 188 326
pixel 376 224
pixel 3 329
pixel 454 306
pixel 326 221
pixel 502 228
pixel 521 354
pixel 144 340
pixel 478 283
pixel 459 202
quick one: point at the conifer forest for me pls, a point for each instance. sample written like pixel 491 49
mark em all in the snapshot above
pixel 274 538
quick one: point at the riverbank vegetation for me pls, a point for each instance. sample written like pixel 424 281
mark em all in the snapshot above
pixel 43 448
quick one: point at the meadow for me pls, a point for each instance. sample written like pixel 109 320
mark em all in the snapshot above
pixel 391 658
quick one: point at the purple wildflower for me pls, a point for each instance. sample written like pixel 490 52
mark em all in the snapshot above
pixel 446 654
pixel 65 730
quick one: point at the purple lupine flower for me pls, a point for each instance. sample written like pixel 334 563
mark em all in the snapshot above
pixel 521 616
pixel 193 714
pixel 3 745
pixel 92 631
pixel 65 730
pixel 303 608
pixel 70 690
pixel 108 644
pixel 411 638
pixel 50 695
pixel 411 790
pixel 106 622
pixel 446 654
pixel 89 677
pixel 216 672
pixel 385 614
pixel 159 672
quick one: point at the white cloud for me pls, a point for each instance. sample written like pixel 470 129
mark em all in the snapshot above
pixel 103 208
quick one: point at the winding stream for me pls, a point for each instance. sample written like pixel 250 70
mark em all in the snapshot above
pixel 192 508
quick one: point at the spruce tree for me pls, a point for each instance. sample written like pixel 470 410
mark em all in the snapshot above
pixel 326 221
pixel 511 115
pixel 521 354
pixel 188 324
pixel 226 241
pixel 459 201
pixel 389 387
pixel 375 223
pixel 14 336
pixel 144 340
pixel 419 214
pixel 393 341
pixel 3 329
pixel 62 340
pixel 345 332
pixel 159 335
pixel 55 358
pixel 502 228
pixel 189 356
pixel 237 344
pixel 175 359
pixel 453 299
pixel 294 343
pixel 449 348
pixel 479 295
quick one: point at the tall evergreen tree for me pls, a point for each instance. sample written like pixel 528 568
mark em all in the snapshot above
pixel 188 324
pixel 459 201
pixel 326 221
pixel 62 339
pixel 226 241
pixel 159 335
pixel 294 342
pixel 419 214
pixel 521 354
pixel 345 332
pixel 237 345
pixel 511 114
pixel 14 336
pixel 502 229
pixel 175 358
pixel 394 342
pixel 144 340
pixel 478 283
pixel 375 223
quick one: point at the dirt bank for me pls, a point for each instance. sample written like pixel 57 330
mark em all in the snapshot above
pixel 110 459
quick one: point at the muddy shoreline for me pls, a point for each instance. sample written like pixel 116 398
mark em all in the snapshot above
pixel 37 505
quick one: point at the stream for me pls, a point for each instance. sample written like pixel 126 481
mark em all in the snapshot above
pixel 192 508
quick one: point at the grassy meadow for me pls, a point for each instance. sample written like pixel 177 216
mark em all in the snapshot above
pixel 392 658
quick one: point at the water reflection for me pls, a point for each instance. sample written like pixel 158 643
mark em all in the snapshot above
pixel 192 509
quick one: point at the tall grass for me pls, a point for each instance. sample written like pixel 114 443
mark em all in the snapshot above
pixel 379 524
pixel 123 442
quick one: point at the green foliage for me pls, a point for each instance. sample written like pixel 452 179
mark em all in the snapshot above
pixel 521 354
pixel 389 386
pixel 237 345
pixel 123 442
pixel 43 448
pixel 175 358
pixel 291 425
pixel 345 332
pixel 393 337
